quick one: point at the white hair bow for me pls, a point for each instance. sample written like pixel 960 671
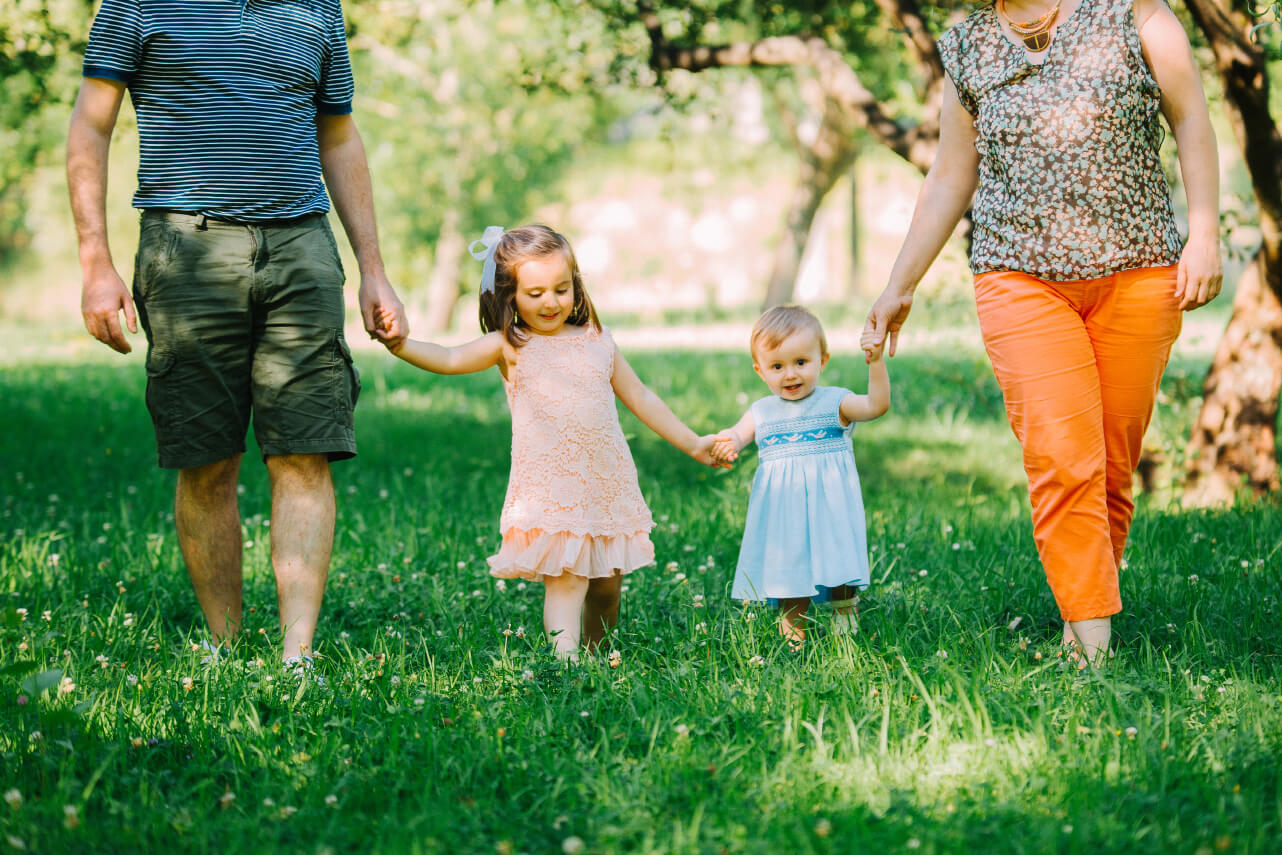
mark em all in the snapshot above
pixel 488 241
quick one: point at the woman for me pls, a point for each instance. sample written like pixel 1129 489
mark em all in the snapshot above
pixel 1050 120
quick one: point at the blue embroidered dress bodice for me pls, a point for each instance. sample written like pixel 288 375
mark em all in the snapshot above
pixel 804 532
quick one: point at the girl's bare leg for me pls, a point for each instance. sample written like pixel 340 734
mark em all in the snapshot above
pixel 601 609
pixel 563 612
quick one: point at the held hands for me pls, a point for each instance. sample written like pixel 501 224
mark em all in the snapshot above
pixel 385 320
pixel 102 298
pixel 868 343
pixel 382 312
pixel 725 448
pixel 704 452
pixel 1199 275
pixel 885 318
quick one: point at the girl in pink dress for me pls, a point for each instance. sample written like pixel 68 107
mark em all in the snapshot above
pixel 574 518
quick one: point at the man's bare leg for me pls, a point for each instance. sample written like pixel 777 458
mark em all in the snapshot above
pixel 302 539
pixel 207 516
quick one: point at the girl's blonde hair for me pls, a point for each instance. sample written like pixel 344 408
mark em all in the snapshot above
pixel 498 307
pixel 778 323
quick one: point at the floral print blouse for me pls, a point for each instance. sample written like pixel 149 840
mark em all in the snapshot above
pixel 1070 181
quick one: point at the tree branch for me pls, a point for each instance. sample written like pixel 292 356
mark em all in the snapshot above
pixel 839 81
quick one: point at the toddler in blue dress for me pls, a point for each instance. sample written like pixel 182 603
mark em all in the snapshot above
pixel 804 534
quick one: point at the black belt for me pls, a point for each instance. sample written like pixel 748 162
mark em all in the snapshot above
pixel 202 220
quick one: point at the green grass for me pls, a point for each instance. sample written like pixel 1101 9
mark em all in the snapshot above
pixel 946 726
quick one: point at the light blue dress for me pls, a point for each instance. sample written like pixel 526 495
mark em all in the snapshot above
pixel 805 528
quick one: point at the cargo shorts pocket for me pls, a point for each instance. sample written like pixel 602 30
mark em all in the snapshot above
pixel 346 379
pixel 160 394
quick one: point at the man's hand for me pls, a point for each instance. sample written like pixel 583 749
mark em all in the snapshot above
pixel 102 298
pixel 382 312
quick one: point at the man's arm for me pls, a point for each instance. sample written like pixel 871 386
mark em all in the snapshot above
pixel 103 293
pixel 342 157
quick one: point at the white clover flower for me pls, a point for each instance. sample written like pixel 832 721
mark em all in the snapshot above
pixel 188 684
pixel 331 800
pixel 22 613
pixel 132 679
pixel 500 584
pixel 1132 731
pixel 572 845
pixel 680 577
pixel 672 567
pixel 520 632
pixel 616 659
pixel 682 730
pixel 70 816
pixel 507 632
pixel 13 798
pixel 46 615
pixel 527 675
pixel 757 660
pixel 66 687
pixel 1193 577
pixel 942 654
pixel 228 798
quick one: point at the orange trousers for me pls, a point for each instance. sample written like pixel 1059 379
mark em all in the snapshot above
pixel 1079 365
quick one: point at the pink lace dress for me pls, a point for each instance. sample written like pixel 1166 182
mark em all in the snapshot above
pixel 573 504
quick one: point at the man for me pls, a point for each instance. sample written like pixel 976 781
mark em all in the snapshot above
pixel 244 115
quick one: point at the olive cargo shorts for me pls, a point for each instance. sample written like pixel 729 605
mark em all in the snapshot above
pixel 244 321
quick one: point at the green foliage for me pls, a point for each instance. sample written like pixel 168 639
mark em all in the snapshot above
pixel 41 44
pixel 472 111
pixel 947 725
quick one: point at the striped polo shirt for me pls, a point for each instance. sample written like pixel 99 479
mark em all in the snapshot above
pixel 227 93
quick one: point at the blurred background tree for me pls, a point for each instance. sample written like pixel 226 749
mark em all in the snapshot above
pixel 472 112
pixel 41 43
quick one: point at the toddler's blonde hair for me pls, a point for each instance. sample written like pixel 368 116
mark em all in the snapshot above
pixel 778 323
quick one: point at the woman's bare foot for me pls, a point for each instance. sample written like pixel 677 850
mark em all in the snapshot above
pixel 1087 642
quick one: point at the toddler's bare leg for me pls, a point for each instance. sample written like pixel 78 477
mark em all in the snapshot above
pixel 601 609
pixel 845 610
pixel 792 613
pixel 563 612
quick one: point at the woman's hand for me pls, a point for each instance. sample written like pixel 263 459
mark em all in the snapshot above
pixel 885 318
pixel 1200 274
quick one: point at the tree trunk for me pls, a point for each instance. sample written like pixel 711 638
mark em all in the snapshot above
pixel 1233 442
pixel 443 282
pixel 824 162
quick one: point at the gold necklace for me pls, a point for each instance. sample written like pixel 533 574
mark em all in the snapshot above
pixel 1035 34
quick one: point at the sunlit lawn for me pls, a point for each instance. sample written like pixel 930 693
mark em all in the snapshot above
pixel 947 725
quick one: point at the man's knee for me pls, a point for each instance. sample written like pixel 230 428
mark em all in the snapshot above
pixel 305 470
pixel 211 480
